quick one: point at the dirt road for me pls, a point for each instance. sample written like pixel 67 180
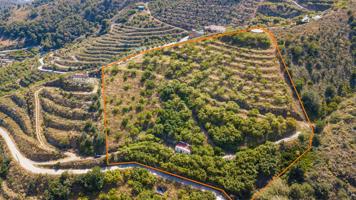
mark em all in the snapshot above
pixel 32 166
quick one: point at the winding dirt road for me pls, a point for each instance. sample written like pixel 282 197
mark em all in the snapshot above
pixel 33 167
pixel 40 68
pixel 40 137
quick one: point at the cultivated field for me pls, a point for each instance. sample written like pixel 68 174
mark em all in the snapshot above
pixel 141 31
pixel 221 96
pixel 190 14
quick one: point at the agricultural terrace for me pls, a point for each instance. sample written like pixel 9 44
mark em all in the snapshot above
pixel 189 14
pixel 17 117
pixel 227 98
pixel 136 32
pixel 20 75
pixel 70 109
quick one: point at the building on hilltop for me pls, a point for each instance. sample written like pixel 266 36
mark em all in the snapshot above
pixel 182 147
pixel 141 8
pixel 215 29
pixel 305 19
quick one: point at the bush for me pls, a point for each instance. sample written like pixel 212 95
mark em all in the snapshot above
pixel 57 190
pixel 312 104
pixel 304 191
pixel 319 126
pixel 4 164
pixel 296 175
pixel 93 181
pixel 113 177
pixel 250 40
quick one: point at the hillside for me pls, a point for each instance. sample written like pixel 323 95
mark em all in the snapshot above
pixel 128 184
pixel 52 24
pixel 322 59
pixel 190 14
pixel 134 31
pixel 137 100
pixel 47 23
pixel 195 14
pixel 5 4
pixel 327 172
pixel 219 101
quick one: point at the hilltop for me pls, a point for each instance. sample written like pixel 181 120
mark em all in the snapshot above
pixel 46 22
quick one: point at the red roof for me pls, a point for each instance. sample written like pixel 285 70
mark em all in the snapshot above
pixel 183 145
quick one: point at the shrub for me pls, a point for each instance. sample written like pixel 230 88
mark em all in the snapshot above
pixel 251 40
pixel 312 104
pixel 93 181
pixel 113 177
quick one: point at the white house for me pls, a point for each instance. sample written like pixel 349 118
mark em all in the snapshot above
pixel 305 19
pixel 317 17
pixel 215 29
pixel 182 147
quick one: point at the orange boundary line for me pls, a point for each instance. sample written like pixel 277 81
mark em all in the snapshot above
pixel 274 43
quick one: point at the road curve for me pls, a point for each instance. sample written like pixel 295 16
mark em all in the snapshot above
pixel 287 139
pixel 31 166
pixel 40 68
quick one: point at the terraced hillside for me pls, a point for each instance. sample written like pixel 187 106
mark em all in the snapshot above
pixel 16 115
pixel 284 10
pixel 318 5
pixel 139 32
pixel 224 97
pixel 19 75
pixel 9 56
pixel 190 14
pixel 70 111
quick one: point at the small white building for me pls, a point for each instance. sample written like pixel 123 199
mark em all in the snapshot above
pixel 317 17
pixel 141 7
pixel 182 147
pixel 257 30
pixel 305 19
pixel 215 29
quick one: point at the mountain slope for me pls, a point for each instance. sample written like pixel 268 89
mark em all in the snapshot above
pixel 327 172
pixel 321 58
pixel 54 23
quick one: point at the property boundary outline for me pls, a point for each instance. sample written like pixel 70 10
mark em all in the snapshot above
pixel 195 40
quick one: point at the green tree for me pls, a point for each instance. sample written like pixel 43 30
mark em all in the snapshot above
pixel 311 103
pixel 113 177
pixel 92 181
pixel 296 175
pixel 59 188
pixel 301 191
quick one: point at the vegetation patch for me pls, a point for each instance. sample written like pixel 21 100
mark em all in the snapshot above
pixel 199 94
